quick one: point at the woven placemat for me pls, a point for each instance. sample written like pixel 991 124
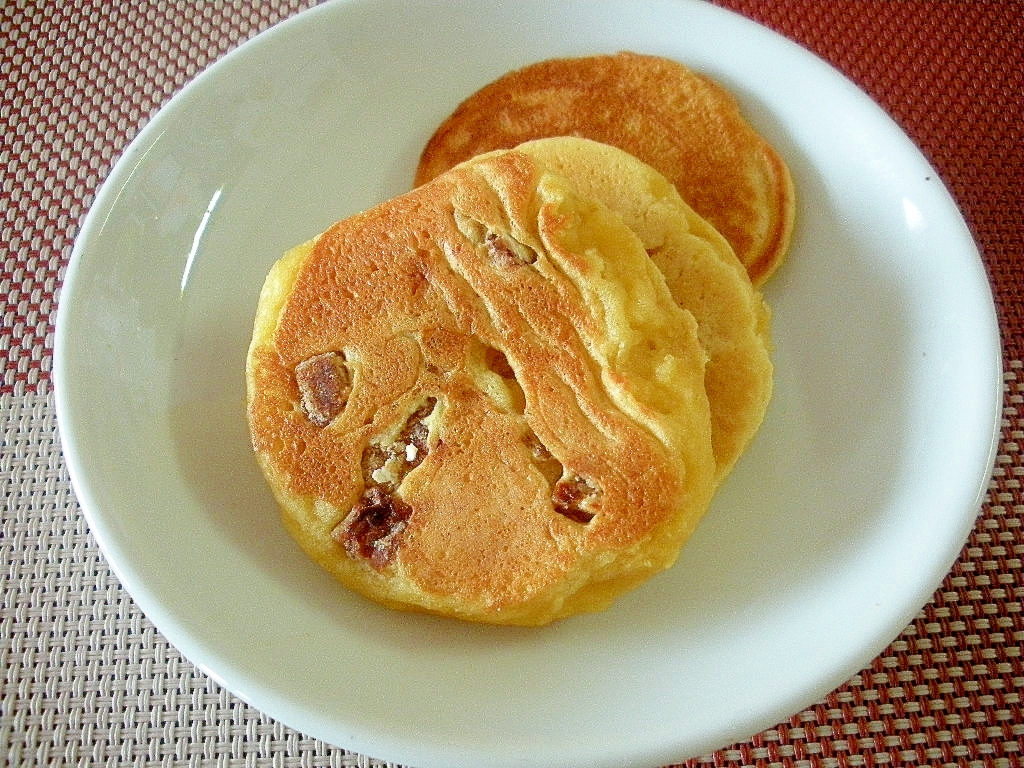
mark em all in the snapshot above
pixel 87 679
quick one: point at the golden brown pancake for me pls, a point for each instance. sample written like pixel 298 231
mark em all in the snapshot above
pixel 702 273
pixel 480 399
pixel 684 125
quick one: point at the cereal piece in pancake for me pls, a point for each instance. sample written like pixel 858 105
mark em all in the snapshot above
pixel 519 429
pixel 684 125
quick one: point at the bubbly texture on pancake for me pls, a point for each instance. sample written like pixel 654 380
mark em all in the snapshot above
pixel 481 399
pixel 702 273
pixel 687 127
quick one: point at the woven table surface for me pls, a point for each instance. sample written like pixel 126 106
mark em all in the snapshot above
pixel 86 679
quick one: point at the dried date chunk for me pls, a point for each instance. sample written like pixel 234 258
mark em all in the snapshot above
pixel 507 253
pixel 387 464
pixel 570 497
pixel 504 250
pixel 416 433
pixel 324 386
pixel 372 530
pixel 375 458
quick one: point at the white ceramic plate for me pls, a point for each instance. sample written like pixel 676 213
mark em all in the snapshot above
pixel 835 529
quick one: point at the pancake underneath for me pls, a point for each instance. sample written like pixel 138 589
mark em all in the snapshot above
pixel 684 125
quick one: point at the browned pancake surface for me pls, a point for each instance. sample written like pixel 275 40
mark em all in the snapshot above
pixel 681 123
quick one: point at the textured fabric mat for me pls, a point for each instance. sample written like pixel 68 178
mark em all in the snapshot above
pixel 85 678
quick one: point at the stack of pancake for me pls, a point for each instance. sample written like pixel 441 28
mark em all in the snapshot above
pixel 510 394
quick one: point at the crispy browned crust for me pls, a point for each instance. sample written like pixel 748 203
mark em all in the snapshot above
pixel 561 431
pixel 681 123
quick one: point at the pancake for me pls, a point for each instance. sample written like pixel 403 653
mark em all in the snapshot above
pixel 687 127
pixel 480 399
pixel 702 272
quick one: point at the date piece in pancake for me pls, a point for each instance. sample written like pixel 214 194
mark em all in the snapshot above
pixel 702 273
pixel 480 399
pixel 684 125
